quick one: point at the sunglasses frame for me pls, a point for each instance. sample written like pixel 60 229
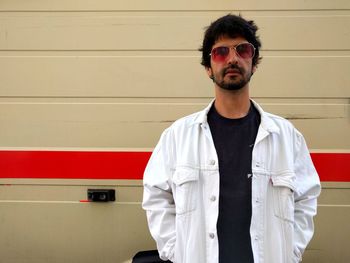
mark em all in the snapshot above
pixel 235 49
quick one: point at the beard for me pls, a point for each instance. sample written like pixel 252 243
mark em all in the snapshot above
pixel 236 82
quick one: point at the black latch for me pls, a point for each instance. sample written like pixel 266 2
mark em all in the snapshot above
pixel 101 195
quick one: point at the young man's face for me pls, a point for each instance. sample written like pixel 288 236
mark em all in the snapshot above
pixel 231 71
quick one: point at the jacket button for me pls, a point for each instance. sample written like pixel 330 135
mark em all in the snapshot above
pixel 213 198
pixel 211 235
pixel 212 162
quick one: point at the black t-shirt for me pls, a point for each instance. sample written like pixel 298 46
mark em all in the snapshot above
pixel 234 141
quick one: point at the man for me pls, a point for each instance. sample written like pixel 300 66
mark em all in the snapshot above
pixel 231 183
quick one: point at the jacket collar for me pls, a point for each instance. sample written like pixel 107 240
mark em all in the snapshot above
pixel 201 118
pixel 267 124
pixel 266 121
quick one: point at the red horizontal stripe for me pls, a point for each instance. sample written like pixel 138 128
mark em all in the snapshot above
pixel 73 165
pixel 333 167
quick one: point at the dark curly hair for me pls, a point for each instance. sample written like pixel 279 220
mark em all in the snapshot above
pixel 231 26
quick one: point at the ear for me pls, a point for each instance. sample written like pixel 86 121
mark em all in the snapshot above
pixel 254 69
pixel 209 72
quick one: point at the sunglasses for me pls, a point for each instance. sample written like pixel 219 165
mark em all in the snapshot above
pixel 243 50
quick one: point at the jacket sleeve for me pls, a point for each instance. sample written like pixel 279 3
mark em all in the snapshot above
pixel 308 188
pixel 158 199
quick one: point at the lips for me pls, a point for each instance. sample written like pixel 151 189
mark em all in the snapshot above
pixel 232 71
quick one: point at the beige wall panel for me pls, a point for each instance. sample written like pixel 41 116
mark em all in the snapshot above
pixel 72 232
pixel 135 76
pixel 303 76
pixel 164 31
pixel 122 184
pixel 335 196
pixel 325 133
pixel 80 5
pixel 84 230
pixel 166 76
pixel 56 192
pixel 330 241
pixel 139 125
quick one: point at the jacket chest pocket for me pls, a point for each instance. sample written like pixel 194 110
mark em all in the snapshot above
pixel 283 196
pixel 186 189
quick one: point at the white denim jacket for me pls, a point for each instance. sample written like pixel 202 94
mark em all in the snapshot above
pixel 181 192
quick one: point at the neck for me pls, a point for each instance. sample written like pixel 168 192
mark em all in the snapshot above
pixel 232 104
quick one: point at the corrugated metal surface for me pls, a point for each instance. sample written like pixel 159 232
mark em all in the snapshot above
pixel 113 74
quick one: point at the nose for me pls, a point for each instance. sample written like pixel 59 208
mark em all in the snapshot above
pixel 232 57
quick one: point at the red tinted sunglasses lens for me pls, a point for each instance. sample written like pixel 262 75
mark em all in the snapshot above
pixel 245 50
pixel 220 53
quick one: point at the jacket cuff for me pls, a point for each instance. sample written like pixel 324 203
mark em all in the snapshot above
pixel 297 256
pixel 169 254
